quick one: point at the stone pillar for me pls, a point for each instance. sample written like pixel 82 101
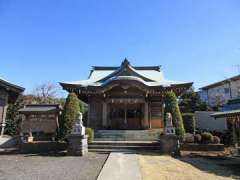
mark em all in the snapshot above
pixel 30 137
pixel 146 123
pixel 104 114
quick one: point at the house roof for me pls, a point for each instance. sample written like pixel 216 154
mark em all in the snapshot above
pixel 234 78
pixel 40 108
pixel 226 114
pixel 149 76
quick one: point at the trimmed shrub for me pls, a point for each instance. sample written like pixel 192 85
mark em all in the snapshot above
pixel 197 138
pixel 173 108
pixel 188 138
pixel 216 140
pixel 69 115
pixel 207 138
pixel 90 133
pixel 189 122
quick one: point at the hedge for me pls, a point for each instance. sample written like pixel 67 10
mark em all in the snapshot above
pixel 189 122
pixel 90 133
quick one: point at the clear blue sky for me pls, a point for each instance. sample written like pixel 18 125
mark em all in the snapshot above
pixel 59 40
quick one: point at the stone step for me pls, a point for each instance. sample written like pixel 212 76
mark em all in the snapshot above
pixel 98 150
pixel 124 147
pixel 125 135
pixel 115 146
pixel 124 143
pixel 126 139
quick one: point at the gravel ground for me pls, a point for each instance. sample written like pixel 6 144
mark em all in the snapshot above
pixel 36 167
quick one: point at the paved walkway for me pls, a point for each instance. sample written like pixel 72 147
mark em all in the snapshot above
pixel 130 166
pixel 121 166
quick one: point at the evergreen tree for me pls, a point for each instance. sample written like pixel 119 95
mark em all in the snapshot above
pixel 171 106
pixel 13 118
pixel 191 102
pixel 69 114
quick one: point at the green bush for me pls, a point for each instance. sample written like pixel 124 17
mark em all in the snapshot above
pixel 216 140
pixel 68 116
pixel 189 122
pixel 173 108
pixel 207 138
pixel 197 138
pixel 90 133
pixel 188 138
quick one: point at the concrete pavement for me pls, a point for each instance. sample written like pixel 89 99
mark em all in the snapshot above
pixel 121 166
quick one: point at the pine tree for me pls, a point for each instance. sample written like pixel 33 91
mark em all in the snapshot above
pixel 68 116
pixel 171 106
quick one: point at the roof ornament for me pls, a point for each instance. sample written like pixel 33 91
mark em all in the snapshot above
pixel 125 62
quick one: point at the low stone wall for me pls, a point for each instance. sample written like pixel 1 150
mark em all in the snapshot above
pixel 202 147
pixel 42 147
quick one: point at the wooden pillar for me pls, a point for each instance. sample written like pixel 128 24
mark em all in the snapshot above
pixel 104 114
pixel 4 115
pixel 125 113
pixel 146 123
pixel 89 114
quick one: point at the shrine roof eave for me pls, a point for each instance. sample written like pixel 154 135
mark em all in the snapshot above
pixel 231 113
pixel 67 86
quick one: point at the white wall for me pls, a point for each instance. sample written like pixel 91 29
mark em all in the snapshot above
pixel 205 121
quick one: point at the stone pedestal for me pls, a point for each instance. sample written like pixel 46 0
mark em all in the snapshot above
pixel 169 145
pixel 77 140
pixel 78 145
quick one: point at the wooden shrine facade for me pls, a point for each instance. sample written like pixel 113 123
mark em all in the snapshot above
pixel 125 97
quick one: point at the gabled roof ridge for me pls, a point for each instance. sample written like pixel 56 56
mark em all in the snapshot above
pixel 111 68
pixel 125 65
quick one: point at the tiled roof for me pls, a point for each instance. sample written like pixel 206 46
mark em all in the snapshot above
pixel 40 108
pixel 11 85
pixel 150 76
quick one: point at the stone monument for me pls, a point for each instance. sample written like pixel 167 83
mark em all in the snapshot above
pixel 78 144
pixel 169 142
pixel 169 129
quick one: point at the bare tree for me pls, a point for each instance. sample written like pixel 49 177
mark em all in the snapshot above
pixel 47 92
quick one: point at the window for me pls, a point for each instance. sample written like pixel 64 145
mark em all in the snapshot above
pixel 226 90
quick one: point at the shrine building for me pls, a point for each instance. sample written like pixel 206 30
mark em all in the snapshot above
pixel 125 97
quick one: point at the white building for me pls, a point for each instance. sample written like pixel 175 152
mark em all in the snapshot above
pixel 219 93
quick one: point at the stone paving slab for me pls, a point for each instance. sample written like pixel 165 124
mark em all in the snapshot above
pixel 121 166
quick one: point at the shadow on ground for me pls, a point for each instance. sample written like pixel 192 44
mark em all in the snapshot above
pixel 221 166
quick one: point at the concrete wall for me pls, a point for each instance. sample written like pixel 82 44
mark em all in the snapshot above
pixel 205 121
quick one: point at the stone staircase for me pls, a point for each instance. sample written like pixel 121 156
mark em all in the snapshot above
pixel 128 135
pixel 123 146
pixel 125 140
